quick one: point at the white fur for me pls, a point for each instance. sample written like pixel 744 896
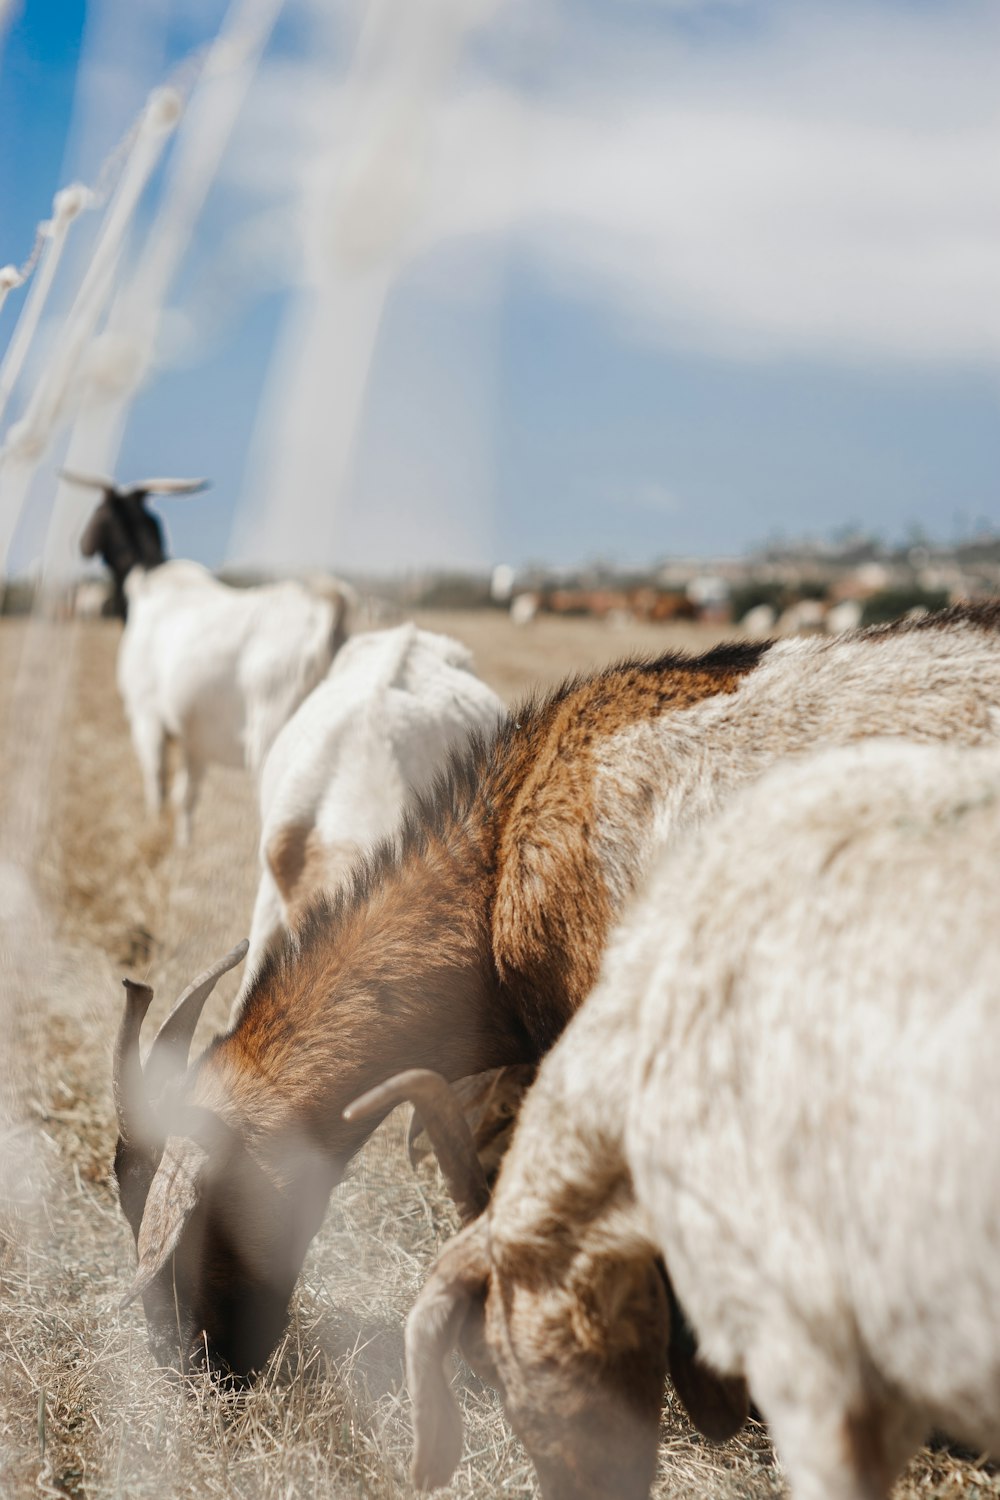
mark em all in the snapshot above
pixel 791 1058
pixel 219 669
pixel 372 736
pixel 656 779
pixel 817 1131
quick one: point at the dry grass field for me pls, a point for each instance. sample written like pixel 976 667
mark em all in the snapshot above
pixel 82 1410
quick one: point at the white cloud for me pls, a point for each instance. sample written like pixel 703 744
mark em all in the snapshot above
pixel 826 187
pixel 758 182
pixel 756 235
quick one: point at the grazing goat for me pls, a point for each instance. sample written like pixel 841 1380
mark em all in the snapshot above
pixel 785 1086
pixel 468 942
pixel 218 669
pixel 123 532
pixel 373 735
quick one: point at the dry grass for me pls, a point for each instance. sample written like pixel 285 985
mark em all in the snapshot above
pixel 82 1411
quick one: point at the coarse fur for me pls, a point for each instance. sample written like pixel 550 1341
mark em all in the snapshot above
pixel 834 1229
pixel 784 1085
pixel 217 669
pixel 467 942
pixel 372 736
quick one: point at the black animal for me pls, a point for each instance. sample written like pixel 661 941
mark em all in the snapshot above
pixel 123 532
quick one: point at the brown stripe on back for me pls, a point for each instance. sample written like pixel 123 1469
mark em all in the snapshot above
pixel 302 863
pixel 414 963
pixel 552 911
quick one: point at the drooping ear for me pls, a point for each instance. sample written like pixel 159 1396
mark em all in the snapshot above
pixel 458 1280
pixel 718 1405
pixel 172 1198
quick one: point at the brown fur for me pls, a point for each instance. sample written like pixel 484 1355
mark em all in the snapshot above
pixel 450 951
pixel 301 864
pixel 551 949
pixel 287 857
pixel 468 943
pixel 464 944
pixel 595 1436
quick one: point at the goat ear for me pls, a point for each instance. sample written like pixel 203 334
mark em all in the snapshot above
pixel 718 1405
pixel 458 1280
pixel 172 1198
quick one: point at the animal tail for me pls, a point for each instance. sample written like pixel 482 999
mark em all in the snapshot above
pixel 396 663
pixel 343 600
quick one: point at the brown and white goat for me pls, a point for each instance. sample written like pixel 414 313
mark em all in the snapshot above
pixel 468 943
pixel 784 1086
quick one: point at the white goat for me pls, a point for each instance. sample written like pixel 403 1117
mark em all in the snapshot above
pixel 785 1085
pixel 219 669
pixel 372 736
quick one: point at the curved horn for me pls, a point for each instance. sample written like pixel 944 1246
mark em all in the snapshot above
pixel 415 1150
pixel 167 486
pixel 127 1081
pixel 489 1102
pixel 470 1094
pixel 169 1051
pixel 89 481
pixel 446 1126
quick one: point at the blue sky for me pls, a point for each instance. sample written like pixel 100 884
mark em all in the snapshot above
pixel 663 275
pixel 37 76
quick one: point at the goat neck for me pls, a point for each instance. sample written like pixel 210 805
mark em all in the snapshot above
pixel 410 963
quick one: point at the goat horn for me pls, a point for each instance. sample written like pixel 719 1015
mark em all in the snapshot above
pixel 477 1098
pixel 89 481
pixel 170 1048
pixel 446 1127
pixel 127 1082
pixel 168 486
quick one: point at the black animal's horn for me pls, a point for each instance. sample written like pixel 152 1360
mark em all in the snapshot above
pixel 167 486
pixel 169 1052
pixel 445 1125
pixel 89 481
pixel 127 1080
